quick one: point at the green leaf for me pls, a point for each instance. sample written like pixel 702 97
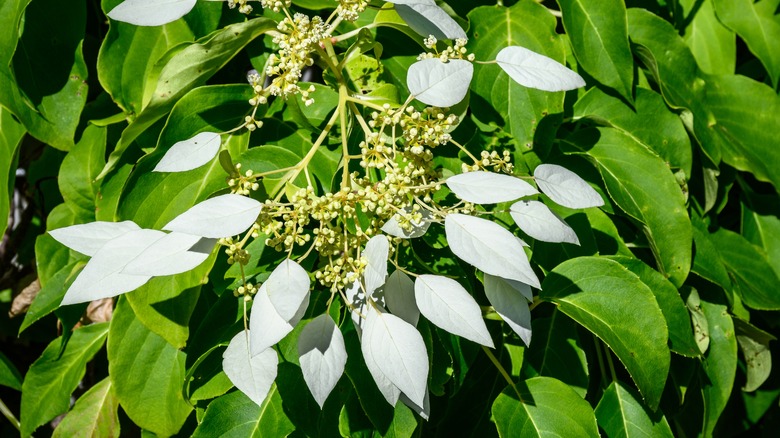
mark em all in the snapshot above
pixel 712 44
pixel 544 407
pixel 45 87
pixel 49 297
pixel 677 319
pixel 621 413
pixel 235 415
pixel 755 22
pixel 600 41
pixel 597 293
pixel 80 168
pixel 723 107
pixel 496 97
pixel 707 263
pixel 128 54
pixel 9 375
pixel 761 224
pixel 650 122
pixel 11 135
pixel 185 68
pixel 754 344
pixel 754 279
pixel 642 185
pixel 147 373
pixel 94 414
pixel 719 364
pixel 556 352
pixel 56 373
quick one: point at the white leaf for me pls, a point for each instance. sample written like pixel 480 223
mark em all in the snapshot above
pixel 151 12
pixel 447 304
pixel 565 187
pixel 437 83
pixel 168 256
pixel 427 18
pixel 533 70
pixel 390 392
pixel 376 253
pixel 357 300
pixel 322 355
pixel 397 351
pixel 89 238
pixel 267 326
pixel 393 227
pixel 510 305
pixel 252 374
pixel 190 154
pixel 423 411
pixel 399 296
pixel 536 220
pixel 489 247
pixel 102 277
pixel 488 188
pixel 222 216
pixel 287 288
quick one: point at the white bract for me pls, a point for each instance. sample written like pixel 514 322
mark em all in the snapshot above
pixel 190 154
pixel 437 83
pixel 533 70
pixel 489 247
pixel 221 216
pixel 510 305
pixel 539 222
pixel 447 304
pixel 488 188
pixel 376 253
pixel 393 228
pixel 399 296
pixel 89 238
pixel 151 12
pixel 287 288
pixel 169 255
pixel 322 356
pixel 267 326
pixel 427 18
pixel 102 277
pixel 565 187
pixel 395 349
pixel 252 374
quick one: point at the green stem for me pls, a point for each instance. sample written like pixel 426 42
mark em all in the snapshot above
pixel 501 370
pixel 600 358
pixel 10 416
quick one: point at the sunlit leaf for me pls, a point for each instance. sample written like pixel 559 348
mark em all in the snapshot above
pixel 427 18
pixel 437 83
pixel 89 238
pixel 288 288
pixel 533 70
pixel 536 220
pixel 488 188
pixel 620 412
pixel 447 304
pixel 221 216
pixel 322 355
pixel 265 323
pixel 151 12
pixel 252 374
pixel 191 153
pixel 565 187
pixel 376 253
pixel 169 255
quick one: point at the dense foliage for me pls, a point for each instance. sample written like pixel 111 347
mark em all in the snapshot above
pixel 402 218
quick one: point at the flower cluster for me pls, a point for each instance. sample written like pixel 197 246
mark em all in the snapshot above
pixel 458 51
pixel 275 5
pixel 350 10
pixel 243 5
pixel 297 39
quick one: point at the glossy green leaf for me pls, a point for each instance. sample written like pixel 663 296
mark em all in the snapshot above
pixel 556 351
pixel 128 54
pixel 600 41
pixel 545 407
pixel 80 168
pixel 185 68
pixel 757 23
pixel 723 107
pixel 56 373
pixel 761 225
pixel 678 321
pixel 519 109
pixel 621 413
pixel 235 415
pixel 9 375
pixel 45 87
pixel 147 373
pixel 596 292
pixel 719 364
pixel 93 415
pixel 50 296
pixel 11 134
pixel 754 279
pixel 642 185
pixel 707 262
pixel 712 44
pixel 650 122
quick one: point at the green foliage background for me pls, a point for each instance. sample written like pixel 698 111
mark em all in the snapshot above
pixel 662 322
